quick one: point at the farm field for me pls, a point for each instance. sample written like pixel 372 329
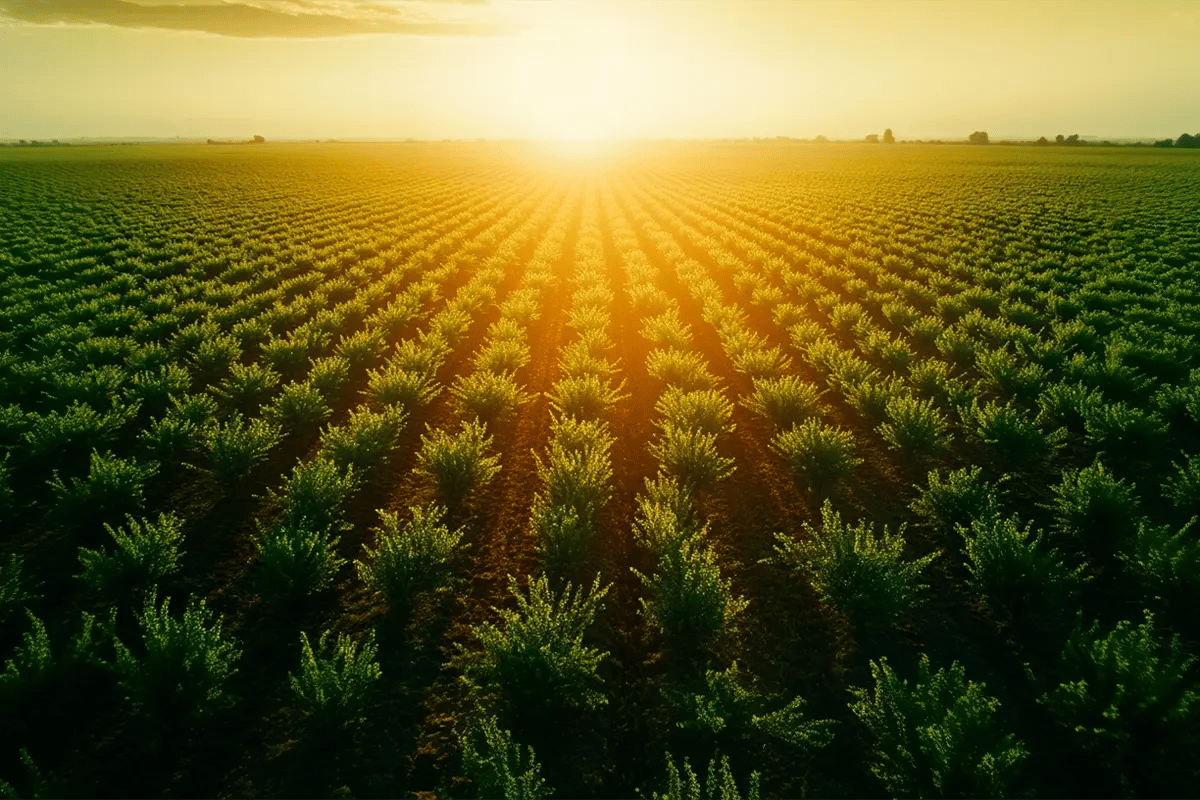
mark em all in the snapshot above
pixel 482 469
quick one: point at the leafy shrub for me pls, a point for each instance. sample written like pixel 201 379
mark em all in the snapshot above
pixel 365 439
pixel 1066 404
pixel 537 658
pixel 409 556
pixel 1166 563
pixel 77 430
pixel 154 389
pixel 818 454
pixel 854 569
pixel 705 410
pixel 667 330
pixel 1011 569
pixel 785 400
pixel 8 498
pixel 214 355
pixel 1123 685
pixel 12 593
pixel 730 701
pixel 681 369
pixel 761 362
pixel 666 515
pixel 691 455
pixel 300 406
pixel 1091 504
pixel 1009 377
pixel 169 437
pixel 143 556
pixel 362 348
pixel 585 396
pixel 248 385
pixel 577 359
pixel 495 764
pixel 938 737
pixel 299 557
pixel 489 396
pixel 402 387
pixel 689 601
pixel 1122 431
pixel 316 491
pixel 185 662
pixel 502 355
pixel 720 784
pixel 328 376
pixel 236 446
pixel 458 462
pixel 959 499
pixel 914 427
pixel 931 377
pixel 1183 488
pixel 34 668
pixel 1015 437
pixel 333 684
pixel 114 486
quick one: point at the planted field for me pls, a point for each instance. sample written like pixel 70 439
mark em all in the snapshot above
pixel 471 470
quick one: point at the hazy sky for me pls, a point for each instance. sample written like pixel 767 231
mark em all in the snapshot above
pixel 593 69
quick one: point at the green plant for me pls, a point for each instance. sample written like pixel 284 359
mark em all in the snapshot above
pixel 316 491
pixel 34 668
pixel 914 428
pixel 299 406
pixel 939 736
pixel 785 400
pixel 185 662
pixel 409 556
pixel 490 396
pixel 679 368
pixel 667 330
pixel 958 499
pixel 666 514
pixel 1010 377
pixel 334 683
pixel 536 658
pixel 143 556
pixel 689 601
pixel 720 784
pixel 931 377
pixel 1183 488
pixel 169 437
pixel 1123 685
pixel 114 486
pixel 458 462
pixel 12 594
pixel 502 355
pixel 576 359
pixel 583 396
pixel 1008 429
pixel 1011 569
pixel 1122 431
pixel 248 384
pixel 691 455
pixel 1166 563
pixel 1091 504
pixel 237 445
pixel 818 454
pixel 854 569
pixel 496 765
pixel 365 439
pixel 299 557
pixel 406 388
pixel 78 429
pixel 704 410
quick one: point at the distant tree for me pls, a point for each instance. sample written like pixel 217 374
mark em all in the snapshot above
pixel 1187 140
pixel 1164 143
pixel 1073 140
pixel 888 138
pixel 259 140
pixel 872 138
pixel 820 139
pixel 1060 139
pixel 978 137
pixel 1043 141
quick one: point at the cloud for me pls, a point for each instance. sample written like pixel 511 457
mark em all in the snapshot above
pixel 302 19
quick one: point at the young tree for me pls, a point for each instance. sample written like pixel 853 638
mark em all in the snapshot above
pixel 978 137
pixel 888 138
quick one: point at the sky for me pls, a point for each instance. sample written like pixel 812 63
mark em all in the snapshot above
pixel 597 69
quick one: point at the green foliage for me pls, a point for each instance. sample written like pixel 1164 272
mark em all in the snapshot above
pixel 490 396
pixel 689 601
pixel 185 662
pixel 502 356
pixel 78 429
pixel 1183 488
pixel 938 737
pixel 679 368
pixel 334 683
pixel 299 406
pixel 583 396
pixel 365 439
pixel 34 666
pixel 854 569
pixel 1122 431
pixel 720 784
pixel 1166 563
pixel 1123 684
pixel 1008 376
pixel 169 437
pixel 496 765
pixel 237 445
pixel 1091 503
pixel 536 658
pixel 667 330
pixel 248 385
pixel 1015 437
pixel 148 552
pixel 931 377
pixel 299 557
pixel 12 594
pixel 114 486
pixel 409 556
pixel 785 400
pixel 407 388
pixel 1011 569
pixel 458 462
pixel 914 427
pixel 704 410
pixel 666 515
pixel 315 492
pixel 690 455
pixel 958 499
pixel 818 454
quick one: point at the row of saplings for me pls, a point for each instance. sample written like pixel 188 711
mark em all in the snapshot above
pixel 936 735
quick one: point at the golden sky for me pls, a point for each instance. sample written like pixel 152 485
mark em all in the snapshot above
pixel 594 69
